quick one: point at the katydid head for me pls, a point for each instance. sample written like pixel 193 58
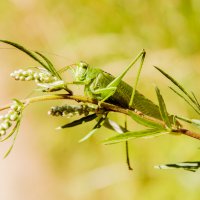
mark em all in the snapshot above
pixel 83 73
pixel 80 72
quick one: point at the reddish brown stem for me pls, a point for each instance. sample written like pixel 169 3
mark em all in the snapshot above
pixel 107 106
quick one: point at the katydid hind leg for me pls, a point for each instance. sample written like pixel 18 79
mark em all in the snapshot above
pixel 131 100
pixel 110 89
pixel 105 92
pixel 137 78
pixel 117 80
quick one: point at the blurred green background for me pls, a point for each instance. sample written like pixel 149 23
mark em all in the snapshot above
pixel 50 164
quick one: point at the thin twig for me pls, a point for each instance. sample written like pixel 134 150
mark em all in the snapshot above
pixel 107 106
pixel 127 148
pixel 188 133
pixel 127 156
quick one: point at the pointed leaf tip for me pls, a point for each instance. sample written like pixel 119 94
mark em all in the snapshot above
pixel 133 135
pixel 163 109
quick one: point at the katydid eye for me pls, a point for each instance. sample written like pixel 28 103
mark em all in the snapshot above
pixel 83 65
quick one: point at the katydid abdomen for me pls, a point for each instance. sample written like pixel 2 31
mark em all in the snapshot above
pixel 122 95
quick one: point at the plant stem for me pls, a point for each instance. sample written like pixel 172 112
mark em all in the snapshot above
pixel 188 133
pixel 127 156
pixel 127 148
pixel 107 106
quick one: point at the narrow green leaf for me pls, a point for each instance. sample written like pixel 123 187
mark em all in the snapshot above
pixel 112 125
pixel 187 101
pixel 175 83
pixel 163 110
pixel 46 59
pixel 191 98
pixel 21 48
pixel 11 133
pixel 50 64
pixel 95 128
pixel 14 139
pixel 79 121
pixel 190 166
pixel 144 122
pixel 88 135
pixel 195 122
pixel 197 102
pixel 133 135
pixel 9 150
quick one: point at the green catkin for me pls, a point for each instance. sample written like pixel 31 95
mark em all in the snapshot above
pixel 30 75
pixel 10 117
pixel 72 110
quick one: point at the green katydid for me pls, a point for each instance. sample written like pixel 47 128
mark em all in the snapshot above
pixel 105 87
pixel 102 86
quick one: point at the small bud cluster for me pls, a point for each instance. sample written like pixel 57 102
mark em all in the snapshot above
pixel 29 75
pixel 11 116
pixel 72 110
